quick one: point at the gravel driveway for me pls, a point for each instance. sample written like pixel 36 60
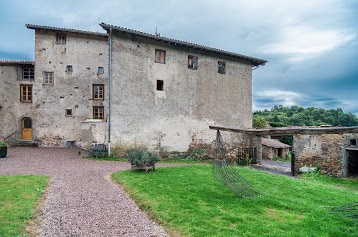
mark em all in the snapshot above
pixel 81 200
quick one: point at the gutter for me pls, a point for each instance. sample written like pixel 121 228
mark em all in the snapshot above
pixel 109 91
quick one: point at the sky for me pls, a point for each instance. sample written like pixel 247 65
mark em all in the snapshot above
pixel 311 46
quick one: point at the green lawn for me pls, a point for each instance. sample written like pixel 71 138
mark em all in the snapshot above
pixel 349 183
pixel 189 201
pixel 125 159
pixel 19 196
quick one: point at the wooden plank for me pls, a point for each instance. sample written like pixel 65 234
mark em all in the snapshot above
pixel 289 131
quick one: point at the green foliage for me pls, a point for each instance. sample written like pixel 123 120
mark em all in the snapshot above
pixel 283 159
pixel 142 157
pixel 18 198
pixel 3 144
pixel 190 201
pixel 280 116
pixel 258 121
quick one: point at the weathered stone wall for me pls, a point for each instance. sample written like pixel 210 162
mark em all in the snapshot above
pixel 191 101
pixel 325 150
pixel 70 90
pixel 9 98
pixel 93 132
pixel 267 153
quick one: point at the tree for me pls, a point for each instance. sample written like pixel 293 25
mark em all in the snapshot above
pixel 259 121
pixel 280 116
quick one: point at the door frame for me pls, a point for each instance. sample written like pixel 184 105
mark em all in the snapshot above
pixel 22 127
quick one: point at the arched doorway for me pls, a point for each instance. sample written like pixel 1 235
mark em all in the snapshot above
pixel 26 129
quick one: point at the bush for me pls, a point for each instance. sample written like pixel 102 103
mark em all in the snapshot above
pixel 142 157
pixel 3 144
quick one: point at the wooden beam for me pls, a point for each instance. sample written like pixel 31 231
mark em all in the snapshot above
pixel 288 131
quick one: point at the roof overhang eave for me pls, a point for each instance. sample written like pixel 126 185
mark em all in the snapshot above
pixel 252 60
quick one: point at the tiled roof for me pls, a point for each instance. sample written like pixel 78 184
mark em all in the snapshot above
pixel 273 143
pixel 11 61
pixel 254 61
pixel 35 27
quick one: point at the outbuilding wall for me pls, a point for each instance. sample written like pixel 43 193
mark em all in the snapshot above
pixel 324 150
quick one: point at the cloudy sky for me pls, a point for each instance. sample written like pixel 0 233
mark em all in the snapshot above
pixel 311 45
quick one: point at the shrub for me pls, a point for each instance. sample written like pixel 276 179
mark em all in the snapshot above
pixel 142 157
pixel 3 144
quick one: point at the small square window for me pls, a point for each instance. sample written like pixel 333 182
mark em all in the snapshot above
pixel 100 70
pixel 98 112
pixel 61 39
pixel 192 62
pixel 26 93
pixel 221 67
pixel 48 77
pixel 28 73
pixel 68 112
pixel 98 92
pixel 69 69
pixel 159 56
pixel 353 142
pixel 160 85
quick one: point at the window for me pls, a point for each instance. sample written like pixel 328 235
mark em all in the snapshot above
pixel 159 56
pixel 68 112
pixel 69 69
pixel 100 70
pixel 192 62
pixel 221 67
pixel 160 85
pixel 98 112
pixel 28 73
pixel 353 142
pixel 48 78
pixel 98 92
pixel 26 93
pixel 61 38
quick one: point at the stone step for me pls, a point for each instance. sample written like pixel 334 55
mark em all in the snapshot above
pixel 25 143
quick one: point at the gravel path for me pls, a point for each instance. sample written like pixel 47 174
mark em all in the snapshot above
pixel 81 200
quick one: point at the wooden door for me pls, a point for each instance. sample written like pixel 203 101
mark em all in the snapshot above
pixel 26 129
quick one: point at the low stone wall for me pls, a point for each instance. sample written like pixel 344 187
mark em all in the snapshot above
pixel 93 132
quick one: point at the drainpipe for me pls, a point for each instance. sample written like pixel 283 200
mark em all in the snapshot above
pixel 109 90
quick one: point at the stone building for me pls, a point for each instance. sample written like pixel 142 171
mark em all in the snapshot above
pixel 124 87
pixel 272 148
pixel 335 154
pixel 62 87
pixel 333 149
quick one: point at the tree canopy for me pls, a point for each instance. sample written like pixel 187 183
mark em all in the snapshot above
pixel 281 116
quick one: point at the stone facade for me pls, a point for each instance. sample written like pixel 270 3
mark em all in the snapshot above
pixel 329 151
pixel 190 101
pixel 174 115
pixel 69 90
pixel 10 80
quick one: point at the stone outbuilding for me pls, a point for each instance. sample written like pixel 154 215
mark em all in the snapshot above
pixel 334 150
pixel 273 148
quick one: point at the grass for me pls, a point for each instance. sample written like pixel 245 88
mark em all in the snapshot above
pixel 125 159
pixel 349 183
pixel 19 196
pixel 108 158
pixel 189 201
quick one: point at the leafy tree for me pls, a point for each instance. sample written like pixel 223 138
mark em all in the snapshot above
pixel 259 121
pixel 280 116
